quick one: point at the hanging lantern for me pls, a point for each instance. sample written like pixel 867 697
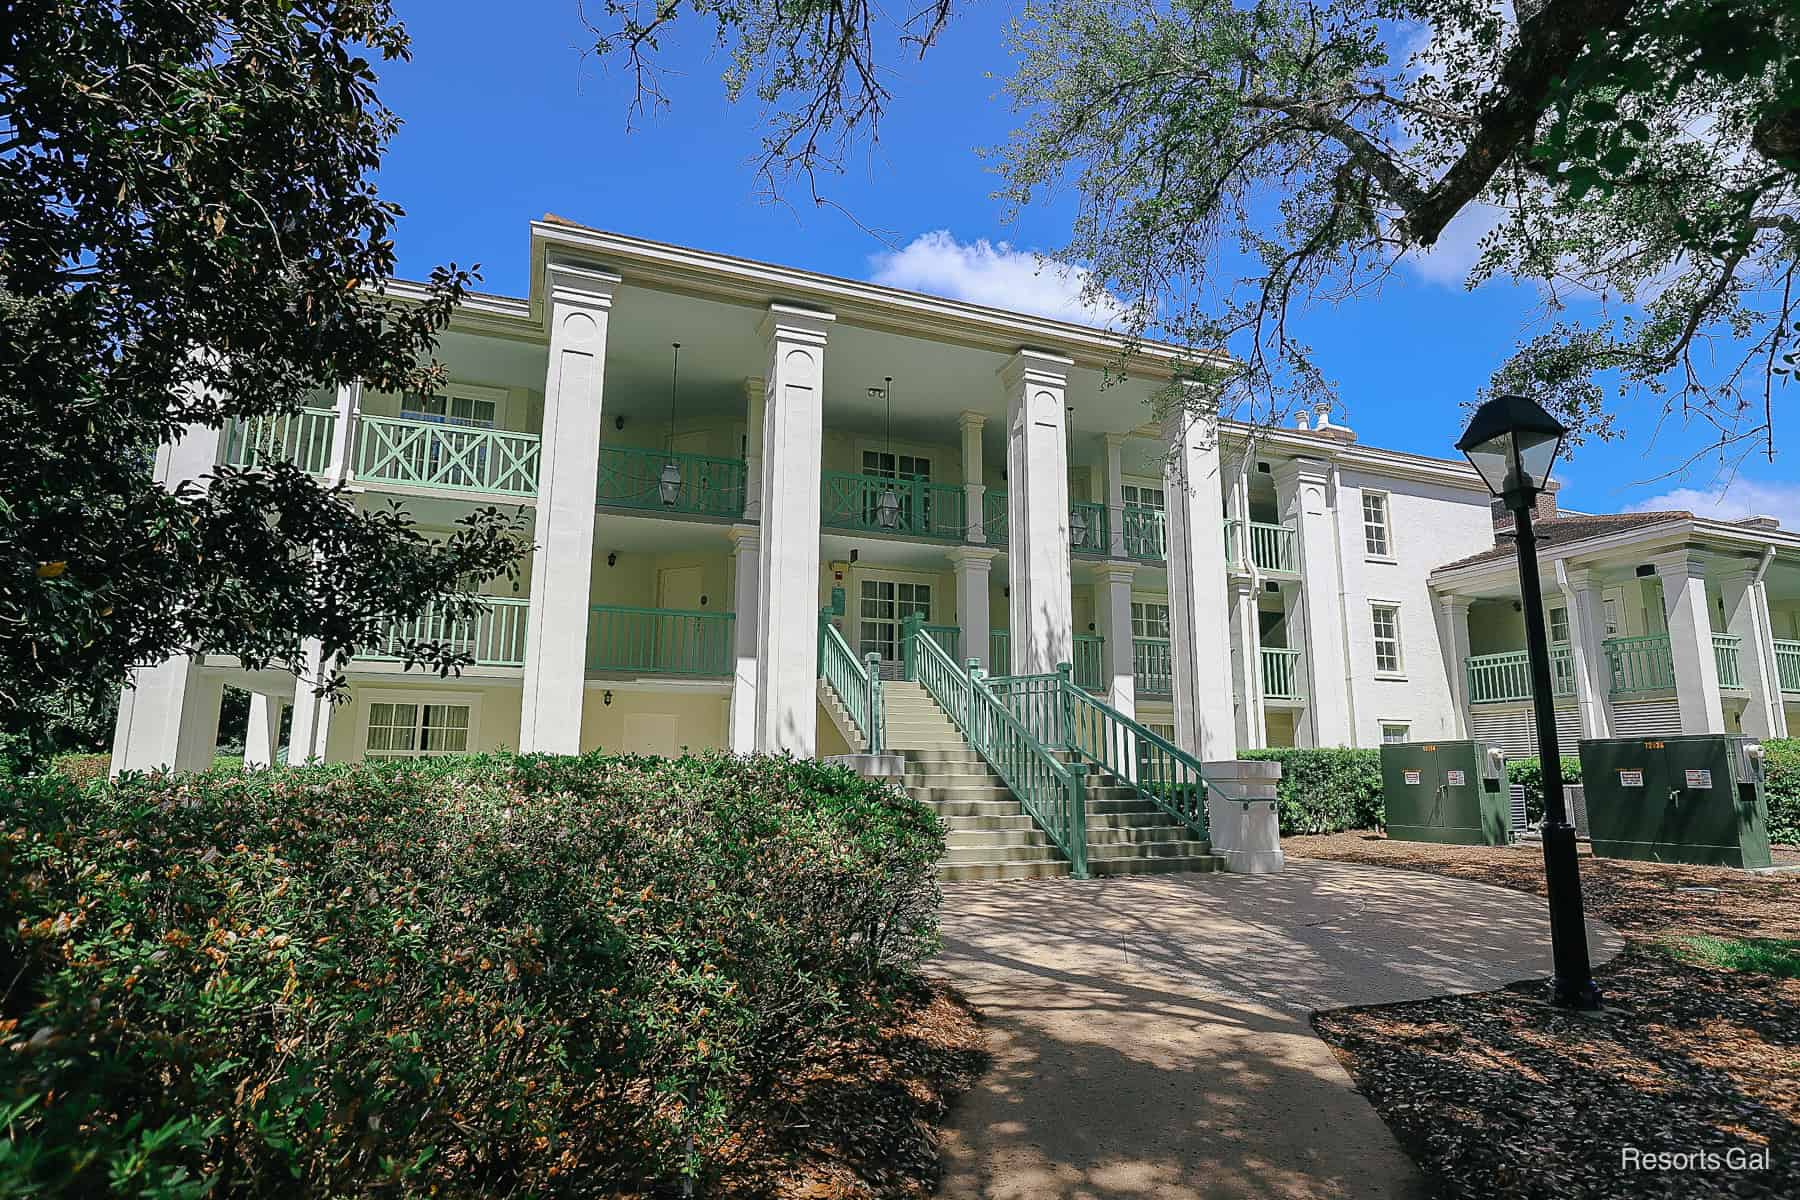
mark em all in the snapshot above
pixel 670 483
pixel 887 508
pixel 1078 527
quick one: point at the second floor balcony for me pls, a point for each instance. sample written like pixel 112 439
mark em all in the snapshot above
pixel 1635 666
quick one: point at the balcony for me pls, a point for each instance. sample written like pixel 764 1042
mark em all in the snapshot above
pixel 993 517
pixel 926 510
pixel 1725 658
pixel 1145 532
pixel 1787 665
pixel 1280 673
pixel 302 438
pixel 632 477
pixel 456 458
pixel 1640 664
pixel 1506 678
pixel 1152 666
pixel 1089 654
pixel 1272 549
pixel 1088 533
pixel 495 637
pixel 660 641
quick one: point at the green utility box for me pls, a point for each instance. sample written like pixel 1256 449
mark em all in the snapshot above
pixel 1694 798
pixel 1450 792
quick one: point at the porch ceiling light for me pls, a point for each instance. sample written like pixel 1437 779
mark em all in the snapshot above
pixel 1078 527
pixel 670 483
pixel 1512 442
pixel 887 507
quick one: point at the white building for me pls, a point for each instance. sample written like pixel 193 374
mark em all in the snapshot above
pixel 1230 588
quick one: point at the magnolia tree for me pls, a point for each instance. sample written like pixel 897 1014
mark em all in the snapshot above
pixel 189 233
pixel 1236 162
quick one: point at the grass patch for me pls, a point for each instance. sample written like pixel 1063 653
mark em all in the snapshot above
pixel 1779 957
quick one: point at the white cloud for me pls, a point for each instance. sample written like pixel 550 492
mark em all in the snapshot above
pixel 1447 263
pixel 995 274
pixel 1729 501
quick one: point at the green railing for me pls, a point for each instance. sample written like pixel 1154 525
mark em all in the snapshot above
pixel 460 458
pixel 1787 664
pixel 1146 533
pixel 1280 673
pixel 924 509
pixel 948 638
pixel 1640 664
pixel 1053 795
pixel 993 517
pixel 1088 533
pixel 493 637
pixel 1725 654
pixel 302 438
pixel 1147 763
pixel 1271 548
pixel 1153 666
pixel 1090 661
pixel 857 684
pixel 632 477
pixel 999 651
pixel 1506 677
pixel 660 641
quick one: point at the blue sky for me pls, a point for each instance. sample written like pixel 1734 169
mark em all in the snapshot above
pixel 507 119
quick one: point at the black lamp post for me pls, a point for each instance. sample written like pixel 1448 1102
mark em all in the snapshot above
pixel 1513 443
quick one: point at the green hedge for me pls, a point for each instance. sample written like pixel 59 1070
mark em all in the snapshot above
pixel 1782 787
pixel 472 977
pixel 1529 772
pixel 1326 790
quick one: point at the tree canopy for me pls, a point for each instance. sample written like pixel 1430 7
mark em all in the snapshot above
pixel 189 234
pixel 1236 162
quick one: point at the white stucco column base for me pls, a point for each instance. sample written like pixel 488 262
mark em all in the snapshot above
pixel 1246 663
pixel 974 569
pixel 1199 618
pixel 746 555
pixel 1037 511
pixel 262 733
pixel 1683 577
pixel 1112 605
pixel 168 719
pixel 1242 817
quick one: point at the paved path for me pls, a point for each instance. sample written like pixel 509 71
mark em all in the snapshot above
pixel 1151 1034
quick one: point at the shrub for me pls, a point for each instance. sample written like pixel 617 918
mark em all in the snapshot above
pixel 1782 788
pixel 1326 790
pixel 471 977
pixel 82 769
pixel 1529 774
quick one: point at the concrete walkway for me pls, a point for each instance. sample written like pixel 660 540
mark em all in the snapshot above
pixel 1151 1034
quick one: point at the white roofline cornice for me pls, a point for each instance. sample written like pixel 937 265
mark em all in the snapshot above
pixel 1645 540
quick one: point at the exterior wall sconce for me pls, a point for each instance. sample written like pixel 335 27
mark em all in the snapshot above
pixel 606 698
pixel 612 558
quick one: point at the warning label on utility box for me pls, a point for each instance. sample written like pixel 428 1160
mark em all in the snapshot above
pixel 1699 780
pixel 1631 778
pixel 1412 777
pixel 1454 778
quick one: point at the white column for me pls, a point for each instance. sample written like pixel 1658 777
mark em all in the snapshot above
pixel 974 569
pixel 1037 510
pixel 343 433
pixel 1742 590
pixel 262 733
pixel 787 611
pixel 1683 576
pixel 746 558
pixel 1772 673
pixel 974 488
pixel 1246 663
pixel 1453 636
pixel 309 730
pixel 1115 492
pixel 1200 633
pixel 1584 596
pixel 1302 486
pixel 580 300
pixel 1112 608
pixel 753 450
pixel 1237 511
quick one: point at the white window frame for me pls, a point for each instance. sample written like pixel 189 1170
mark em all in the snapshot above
pixel 499 397
pixel 1138 603
pixel 1398 671
pixel 370 698
pixel 1386 553
pixel 898 579
pixel 1405 728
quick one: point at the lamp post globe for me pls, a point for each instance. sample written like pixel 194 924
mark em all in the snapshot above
pixel 1513 444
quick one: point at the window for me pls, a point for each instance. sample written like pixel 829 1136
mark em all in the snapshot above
pixel 1395 731
pixel 1149 619
pixel 885 605
pixel 902 468
pixel 411 730
pixel 449 410
pixel 1143 497
pixel 1559 626
pixel 1386 618
pixel 1375 525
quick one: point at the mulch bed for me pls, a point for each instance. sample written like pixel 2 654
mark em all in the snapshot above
pixel 1502 1095
pixel 861 1119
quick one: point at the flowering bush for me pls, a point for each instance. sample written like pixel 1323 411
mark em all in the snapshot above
pixel 482 976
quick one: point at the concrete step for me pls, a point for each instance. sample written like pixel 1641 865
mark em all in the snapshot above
pixel 944 795
pixel 1159 849
pixel 976 808
pixel 1028 835
pixel 1123 820
pixel 997 854
pixel 950 779
pixel 957 823
pixel 939 758
pixel 965 872
pixel 1151 866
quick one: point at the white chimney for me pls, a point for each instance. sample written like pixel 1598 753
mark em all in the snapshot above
pixel 1300 421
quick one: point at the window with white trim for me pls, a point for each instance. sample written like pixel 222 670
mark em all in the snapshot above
pixel 1385 621
pixel 1149 619
pixel 1138 496
pixel 885 606
pixel 452 409
pixel 407 729
pixel 1375 525
pixel 1559 626
pixel 1395 731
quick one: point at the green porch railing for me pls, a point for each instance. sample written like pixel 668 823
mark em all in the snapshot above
pixel 632 477
pixel 1280 673
pixel 659 641
pixel 1506 677
pixel 1090 661
pixel 1640 664
pixel 1053 795
pixel 1153 666
pixel 493 637
pixel 1088 533
pixel 1725 655
pixel 1137 758
pixel 302 438
pixel 1000 651
pixel 458 458
pixel 948 638
pixel 928 510
pixel 1787 664
pixel 1146 533
pixel 857 684
pixel 993 517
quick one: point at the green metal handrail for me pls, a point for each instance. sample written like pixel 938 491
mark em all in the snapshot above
pixel 1090 660
pixel 632 477
pixel 1146 533
pixel 1048 791
pixel 1787 664
pixel 457 458
pixel 857 684
pixel 1088 532
pixel 993 517
pixel 1640 664
pixel 302 438
pixel 492 637
pixel 1506 677
pixel 1146 762
pixel 948 637
pixel 1280 673
pixel 926 509
pixel 661 641
pixel 1153 666
pixel 1725 655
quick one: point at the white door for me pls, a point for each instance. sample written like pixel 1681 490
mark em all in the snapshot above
pixel 882 610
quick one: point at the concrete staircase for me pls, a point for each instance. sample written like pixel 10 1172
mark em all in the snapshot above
pixel 990 834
